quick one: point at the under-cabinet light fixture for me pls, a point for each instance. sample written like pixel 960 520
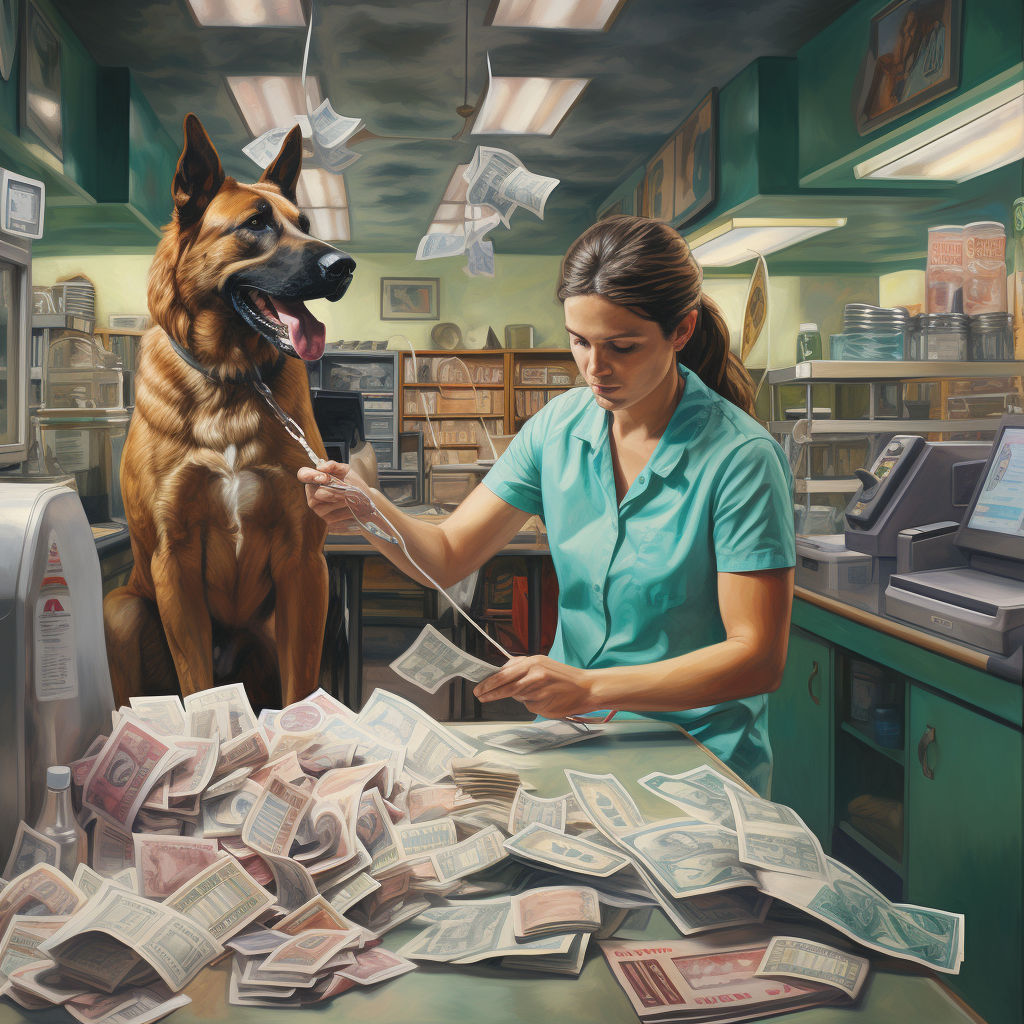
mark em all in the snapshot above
pixel 742 238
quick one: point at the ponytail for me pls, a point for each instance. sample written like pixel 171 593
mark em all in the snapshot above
pixel 708 355
pixel 647 267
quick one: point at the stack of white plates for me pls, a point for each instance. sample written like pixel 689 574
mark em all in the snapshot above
pixel 860 318
pixel 80 299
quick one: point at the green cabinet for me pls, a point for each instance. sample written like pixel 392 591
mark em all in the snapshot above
pixel 964 841
pixel 799 727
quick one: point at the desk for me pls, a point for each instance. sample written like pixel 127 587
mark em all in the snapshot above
pixel 451 994
pixel 345 555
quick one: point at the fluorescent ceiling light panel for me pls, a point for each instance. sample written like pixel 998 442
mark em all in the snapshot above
pixel 330 225
pixel 741 238
pixel 985 136
pixel 588 15
pixel 274 101
pixel 527 106
pixel 250 13
pixel 318 188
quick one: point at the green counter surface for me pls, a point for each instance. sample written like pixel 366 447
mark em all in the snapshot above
pixel 449 994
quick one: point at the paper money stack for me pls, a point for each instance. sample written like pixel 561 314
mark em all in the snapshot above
pixel 293 841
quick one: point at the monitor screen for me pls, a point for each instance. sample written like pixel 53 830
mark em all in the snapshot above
pixel 22 206
pixel 994 523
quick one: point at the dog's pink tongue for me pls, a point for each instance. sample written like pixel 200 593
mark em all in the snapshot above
pixel 305 333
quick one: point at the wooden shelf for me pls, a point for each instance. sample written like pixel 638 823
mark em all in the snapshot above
pixel 876 851
pixel 896 754
pixel 546 387
pixel 438 384
pixel 453 415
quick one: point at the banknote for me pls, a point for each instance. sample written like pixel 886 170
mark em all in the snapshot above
pixel 131 761
pixel 43 979
pixel 112 849
pixel 700 792
pixel 331 705
pixel 344 895
pixel 426 803
pixel 43 884
pixel 162 714
pixel 256 940
pixel 247 750
pixel 192 776
pixel 553 962
pixel 273 821
pixel 560 908
pixel 205 723
pixel 263 149
pixel 814 961
pixel 130 1006
pixel 307 951
pixel 466 931
pixel 548 846
pixel 605 802
pixel 230 783
pixel 374 965
pixel 234 699
pixel 165 863
pixel 439 244
pixel 374 830
pixel 485 175
pixel 416 839
pixel 527 809
pixel 19 944
pixel 127 879
pixel 172 944
pixel 934 938
pixel 526 189
pixel 527 737
pixel 480 260
pixel 330 127
pixel 473 854
pixel 429 747
pixel 314 913
pixel 225 815
pixel 293 884
pixel 689 857
pixel 87 880
pixel 773 836
pixel 433 659
pixel 30 847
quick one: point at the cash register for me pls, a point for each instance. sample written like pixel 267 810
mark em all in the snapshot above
pixel 911 482
pixel 972 586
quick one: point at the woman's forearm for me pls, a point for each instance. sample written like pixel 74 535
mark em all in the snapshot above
pixel 730 670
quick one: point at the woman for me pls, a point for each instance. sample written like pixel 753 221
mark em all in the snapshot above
pixel 668 509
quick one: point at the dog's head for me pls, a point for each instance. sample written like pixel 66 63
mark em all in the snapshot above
pixel 241 256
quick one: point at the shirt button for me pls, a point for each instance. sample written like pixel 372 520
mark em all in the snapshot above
pixel 641 479
pixel 597 588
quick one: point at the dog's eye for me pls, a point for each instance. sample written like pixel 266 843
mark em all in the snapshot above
pixel 256 223
pixel 304 224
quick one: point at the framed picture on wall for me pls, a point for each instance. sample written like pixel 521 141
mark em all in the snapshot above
pixel 659 194
pixel 410 298
pixel 696 172
pixel 913 56
pixel 41 105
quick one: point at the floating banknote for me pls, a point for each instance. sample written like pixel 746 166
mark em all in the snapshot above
pixel 814 961
pixel 485 175
pixel 263 149
pixel 433 659
pixel 441 244
pixel 480 260
pixel 529 190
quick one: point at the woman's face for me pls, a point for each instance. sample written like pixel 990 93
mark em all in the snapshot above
pixel 622 356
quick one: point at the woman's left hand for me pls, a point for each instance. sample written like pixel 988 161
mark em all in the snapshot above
pixel 546 687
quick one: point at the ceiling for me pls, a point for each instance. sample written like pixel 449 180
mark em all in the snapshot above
pixel 398 64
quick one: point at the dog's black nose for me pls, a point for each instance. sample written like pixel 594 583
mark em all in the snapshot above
pixel 336 265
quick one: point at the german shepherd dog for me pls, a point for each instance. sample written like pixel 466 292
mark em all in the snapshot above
pixel 228 555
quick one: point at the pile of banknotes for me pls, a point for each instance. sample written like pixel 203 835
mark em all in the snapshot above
pixel 292 841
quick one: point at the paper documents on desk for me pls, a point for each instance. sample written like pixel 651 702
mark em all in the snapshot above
pixel 296 839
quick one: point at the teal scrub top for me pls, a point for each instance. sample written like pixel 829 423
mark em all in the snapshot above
pixel 638 580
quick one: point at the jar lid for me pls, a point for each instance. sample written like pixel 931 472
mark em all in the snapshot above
pixel 943 320
pixel 58 777
pixel 808 327
pixel 991 319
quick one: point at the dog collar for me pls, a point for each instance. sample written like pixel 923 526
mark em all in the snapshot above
pixel 240 377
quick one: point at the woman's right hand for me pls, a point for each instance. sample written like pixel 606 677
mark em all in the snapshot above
pixel 335 507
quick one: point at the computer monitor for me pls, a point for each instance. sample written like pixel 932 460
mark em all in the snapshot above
pixel 23 201
pixel 994 522
pixel 339 416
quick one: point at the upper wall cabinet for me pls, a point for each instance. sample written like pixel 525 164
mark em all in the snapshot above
pixel 884 72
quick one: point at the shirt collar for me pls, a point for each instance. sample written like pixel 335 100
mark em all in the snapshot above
pixel 688 420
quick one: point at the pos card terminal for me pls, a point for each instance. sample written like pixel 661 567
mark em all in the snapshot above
pixel 980 603
pixel 911 482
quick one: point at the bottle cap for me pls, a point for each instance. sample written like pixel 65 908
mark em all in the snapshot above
pixel 808 327
pixel 58 777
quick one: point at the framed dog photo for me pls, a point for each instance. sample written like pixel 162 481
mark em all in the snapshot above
pixel 41 106
pixel 913 56
pixel 410 298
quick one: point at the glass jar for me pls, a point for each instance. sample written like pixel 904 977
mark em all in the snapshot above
pixel 991 336
pixel 808 343
pixel 942 336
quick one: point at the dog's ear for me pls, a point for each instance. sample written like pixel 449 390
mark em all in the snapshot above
pixel 199 175
pixel 284 168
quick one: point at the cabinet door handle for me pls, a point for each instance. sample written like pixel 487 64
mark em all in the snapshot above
pixel 810 679
pixel 927 739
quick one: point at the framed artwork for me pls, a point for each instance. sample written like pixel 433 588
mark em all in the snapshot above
pixel 41 105
pixel 913 56
pixel 659 192
pixel 410 298
pixel 695 160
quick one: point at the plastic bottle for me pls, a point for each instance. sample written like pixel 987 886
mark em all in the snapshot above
pixel 984 254
pixel 808 343
pixel 57 821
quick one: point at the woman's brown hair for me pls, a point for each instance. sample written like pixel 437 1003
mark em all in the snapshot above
pixel 647 267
